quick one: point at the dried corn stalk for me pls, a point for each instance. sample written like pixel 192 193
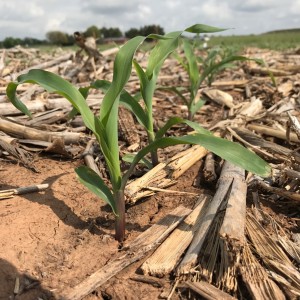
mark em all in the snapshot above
pixel 273 256
pixel 164 174
pixel 166 257
pixel 229 182
pixel 257 281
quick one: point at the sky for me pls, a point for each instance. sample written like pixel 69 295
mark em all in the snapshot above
pixel 34 18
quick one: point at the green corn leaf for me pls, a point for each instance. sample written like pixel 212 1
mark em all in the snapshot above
pixel 55 84
pixel 177 120
pixel 95 184
pixel 144 81
pixel 171 122
pixel 129 157
pixel 121 73
pixel 230 151
pixel 177 90
pixel 147 87
pixel 126 100
pixel 84 92
pixel 103 85
pixel 195 106
pixel 158 36
pixel 202 28
pixel 197 127
pixel 11 92
pixel 129 102
pixel 193 70
pixel 161 51
pixel 109 108
pixel 213 67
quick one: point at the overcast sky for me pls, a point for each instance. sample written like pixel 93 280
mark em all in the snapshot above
pixel 33 18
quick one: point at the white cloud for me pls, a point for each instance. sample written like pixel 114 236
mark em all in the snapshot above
pixel 215 10
pixel 171 4
pixel 256 5
pixel 295 7
pixel 35 10
pixel 34 18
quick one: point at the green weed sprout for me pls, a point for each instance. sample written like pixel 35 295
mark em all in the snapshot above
pixel 105 128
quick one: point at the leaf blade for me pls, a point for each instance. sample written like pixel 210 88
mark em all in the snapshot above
pixel 96 185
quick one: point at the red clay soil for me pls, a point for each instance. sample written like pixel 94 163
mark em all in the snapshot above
pixel 54 239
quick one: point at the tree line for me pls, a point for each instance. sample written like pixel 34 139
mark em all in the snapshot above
pixel 61 38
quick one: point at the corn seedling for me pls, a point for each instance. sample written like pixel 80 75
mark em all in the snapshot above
pixel 148 81
pixel 105 125
pixel 215 62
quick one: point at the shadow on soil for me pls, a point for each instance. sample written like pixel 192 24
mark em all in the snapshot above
pixel 68 217
pixel 20 286
pixel 63 211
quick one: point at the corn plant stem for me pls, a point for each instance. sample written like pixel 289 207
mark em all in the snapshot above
pixel 154 158
pixel 190 114
pixel 154 155
pixel 120 218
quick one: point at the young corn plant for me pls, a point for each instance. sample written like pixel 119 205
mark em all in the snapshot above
pixel 105 127
pixel 210 66
pixel 148 83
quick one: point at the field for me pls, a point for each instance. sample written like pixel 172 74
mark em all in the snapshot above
pixel 278 40
pixel 58 239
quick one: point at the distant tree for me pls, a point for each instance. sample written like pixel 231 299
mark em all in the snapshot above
pixel 58 38
pixel 149 29
pixel 10 42
pixel 145 30
pixel 28 41
pixel 132 32
pixel 115 32
pixel 111 32
pixel 93 31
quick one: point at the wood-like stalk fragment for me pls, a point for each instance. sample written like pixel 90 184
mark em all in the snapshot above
pixel 45 65
pixel 208 291
pixel 295 124
pixel 209 168
pixel 219 97
pixel 147 279
pixel 232 233
pixel 258 142
pixel 225 182
pixel 24 132
pixel 38 105
pixel 273 132
pixel 22 190
pixel 88 157
pixel 268 71
pixel 267 247
pixel 230 83
pixel 256 279
pixel 162 175
pixel 279 191
pixel 166 257
pixel 139 248
pixel 8 144
pixel 188 159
